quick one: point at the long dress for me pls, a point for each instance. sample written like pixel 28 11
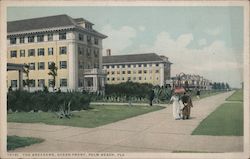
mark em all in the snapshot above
pixel 176 107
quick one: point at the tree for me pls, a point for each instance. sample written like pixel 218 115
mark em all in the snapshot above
pixel 227 86
pixel 26 72
pixel 53 73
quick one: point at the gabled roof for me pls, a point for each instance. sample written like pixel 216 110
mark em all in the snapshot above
pixel 133 58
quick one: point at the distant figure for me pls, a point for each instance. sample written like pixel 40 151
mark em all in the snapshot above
pixel 187 102
pixel 10 89
pixel 198 93
pixel 151 97
pixel 176 106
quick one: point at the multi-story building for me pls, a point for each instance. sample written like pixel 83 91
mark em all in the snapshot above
pixel 190 81
pixel 142 68
pixel 72 44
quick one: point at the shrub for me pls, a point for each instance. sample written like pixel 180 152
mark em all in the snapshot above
pixel 46 101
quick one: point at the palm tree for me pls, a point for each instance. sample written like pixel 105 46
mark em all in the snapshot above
pixel 26 70
pixel 53 73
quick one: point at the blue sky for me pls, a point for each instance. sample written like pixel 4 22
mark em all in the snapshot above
pixel 198 40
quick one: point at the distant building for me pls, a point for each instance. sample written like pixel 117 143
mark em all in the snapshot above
pixel 142 68
pixel 72 44
pixel 191 81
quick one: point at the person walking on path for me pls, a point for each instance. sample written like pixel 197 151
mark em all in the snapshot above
pixel 151 97
pixel 176 106
pixel 187 102
pixel 198 93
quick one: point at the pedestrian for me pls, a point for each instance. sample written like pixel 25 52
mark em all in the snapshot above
pixel 187 102
pixel 151 97
pixel 176 106
pixel 198 93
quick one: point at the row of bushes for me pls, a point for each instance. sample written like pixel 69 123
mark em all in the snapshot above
pixel 46 101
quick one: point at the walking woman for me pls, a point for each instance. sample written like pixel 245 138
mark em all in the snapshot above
pixel 176 106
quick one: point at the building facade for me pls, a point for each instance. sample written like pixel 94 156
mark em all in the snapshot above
pixel 142 68
pixel 72 44
pixel 191 81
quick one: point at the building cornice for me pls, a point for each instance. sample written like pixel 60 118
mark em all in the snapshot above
pixel 47 30
pixel 142 62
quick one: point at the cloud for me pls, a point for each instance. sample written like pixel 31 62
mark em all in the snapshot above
pixel 202 42
pixel 214 61
pixel 118 39
pixel 213 32
pixel 141 28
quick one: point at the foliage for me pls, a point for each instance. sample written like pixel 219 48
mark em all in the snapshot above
pixel 53 72
pixel 14 142
pixel 96 116
pixel 46 101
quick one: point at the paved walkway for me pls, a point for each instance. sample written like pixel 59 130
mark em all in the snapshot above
pixel 152 132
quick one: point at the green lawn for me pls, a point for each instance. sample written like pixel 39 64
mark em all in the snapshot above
pixel 14 142
pixel 227 120
pixel 237 96
pixel 99 115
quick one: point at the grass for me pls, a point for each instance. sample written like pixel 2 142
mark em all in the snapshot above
pixel 97 116
pixel 14 142
pixel 226 120
pixel 237 96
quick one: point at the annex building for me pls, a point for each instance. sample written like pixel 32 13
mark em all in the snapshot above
pixel 142 68
pixel 72 44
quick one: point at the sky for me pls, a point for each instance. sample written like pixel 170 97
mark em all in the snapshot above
pixel 204 40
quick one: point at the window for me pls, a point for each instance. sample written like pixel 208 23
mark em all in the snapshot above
pixel 107 79
pixel 80 37
pixel 80 50
pixel 144 65
pixel 62 36
pixel 40 52
pixel 96 41
pixel 32 83
pixel 139 65
pixel 49 63
pixel 96 53
pixel 139 71
pixel 50 82
pixel 41 66
pixel 41 82
pixel 40 38
pixel 63 50
pixel 31 52
pixel 112 66
pixel 13 53
pixel 50 37
pixel 31 39
pixel 129 72
pixel 88 39
pixel 157 64
pixel 118 72
pixel 50 51
pixel 139 78
pixel 63 64
pixel 32 66
pixel 129 78
pixel 129 65
pixel 12 40
pixel 123 66
pixel 63 82
pixel 108 72
pixel 134 78
pixel 156 71
pixel 123 78
pixel 145 71
pixel 22 39
pixel 13 83
pixel 113 79
pixel 123 72
pixel 113 72
pixel 88 52
pixel 22 53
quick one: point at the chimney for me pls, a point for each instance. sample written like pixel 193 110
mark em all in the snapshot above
pixel 108 52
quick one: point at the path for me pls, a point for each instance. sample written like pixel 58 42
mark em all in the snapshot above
pixel 152 132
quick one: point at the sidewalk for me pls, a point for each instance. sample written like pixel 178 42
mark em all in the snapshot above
pixel 152 132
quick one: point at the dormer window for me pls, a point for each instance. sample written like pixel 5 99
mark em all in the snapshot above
pixel 62 36
pixel 12 40
pixel 88 39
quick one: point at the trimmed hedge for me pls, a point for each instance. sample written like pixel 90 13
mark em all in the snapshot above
pixel 46 101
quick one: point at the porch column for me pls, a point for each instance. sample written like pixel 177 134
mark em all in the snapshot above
pixel 20 74
pixel 95 84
